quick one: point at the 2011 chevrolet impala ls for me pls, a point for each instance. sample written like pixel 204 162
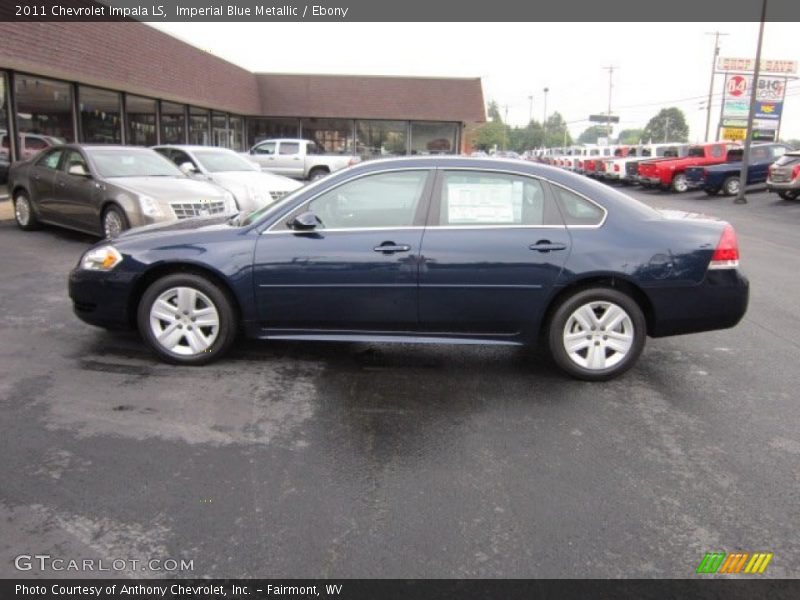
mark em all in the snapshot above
pixel 431 249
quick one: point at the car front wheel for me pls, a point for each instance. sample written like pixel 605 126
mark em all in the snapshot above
pixel 186 319
pixel 731 186
pixel 114 222
pixel 597 334
pixel 23 213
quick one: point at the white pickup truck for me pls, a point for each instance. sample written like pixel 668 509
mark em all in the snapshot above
pixel 297 158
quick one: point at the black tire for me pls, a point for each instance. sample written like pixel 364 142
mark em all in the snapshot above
pixel 318 173
pixel 24 214
pixel 711 191
pixel 730 187
pixel 679 183
pixel 219 298
pixel 788 194
pixel 114 214
pixel 563 313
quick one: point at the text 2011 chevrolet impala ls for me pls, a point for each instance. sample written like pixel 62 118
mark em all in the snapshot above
pixel 443 250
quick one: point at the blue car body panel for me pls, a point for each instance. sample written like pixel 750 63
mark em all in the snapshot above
pixel 482 284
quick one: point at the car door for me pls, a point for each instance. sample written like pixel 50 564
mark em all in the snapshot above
pixel 263 154
pixel 492 249
pixel 289 160
pixel 356 271
pixel 42 181
pixel 76 194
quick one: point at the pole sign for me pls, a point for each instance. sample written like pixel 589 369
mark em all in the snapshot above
pixel 603 119
pixel 770 93
pixel 781 67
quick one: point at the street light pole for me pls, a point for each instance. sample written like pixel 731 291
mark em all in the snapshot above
pixel 610 70
pixel 740 197
pixel 530 110
pixel 716 35
pixel 544 119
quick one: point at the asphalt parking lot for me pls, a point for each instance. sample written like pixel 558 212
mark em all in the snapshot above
pixel 330 460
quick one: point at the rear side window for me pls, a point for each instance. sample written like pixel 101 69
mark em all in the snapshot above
pixel 50 160
pixel 576 209
pixel 476 198
pixel 289 148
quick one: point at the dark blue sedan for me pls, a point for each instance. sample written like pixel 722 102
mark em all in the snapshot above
pixel 439 250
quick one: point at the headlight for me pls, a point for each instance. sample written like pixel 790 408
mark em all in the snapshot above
pixel 230 203
pixel 150 206
pixel 103 258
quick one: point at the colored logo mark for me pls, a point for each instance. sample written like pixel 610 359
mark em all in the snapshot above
pixel 735 562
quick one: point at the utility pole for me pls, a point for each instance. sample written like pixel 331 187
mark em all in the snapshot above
pixel 666 129
pixel 505 127
pixel 610 70
pixel 530 110
pixel 544 119
pixel 740 197
pixel 716 35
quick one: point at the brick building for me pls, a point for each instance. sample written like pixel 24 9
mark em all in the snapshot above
pixel 128 83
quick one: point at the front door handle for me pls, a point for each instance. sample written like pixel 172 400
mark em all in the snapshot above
pixel 391 248
pixel 547 246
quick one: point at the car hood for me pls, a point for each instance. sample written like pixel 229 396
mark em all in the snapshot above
pixel 172 228
pixel 256 179
pixel 169 188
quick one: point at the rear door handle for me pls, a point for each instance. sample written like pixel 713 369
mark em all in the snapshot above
pixel 547 246
pixel 391 248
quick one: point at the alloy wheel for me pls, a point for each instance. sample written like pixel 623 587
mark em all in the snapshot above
pixel 184 321
pixel 598 335
pixel 22 210
pixel 112 224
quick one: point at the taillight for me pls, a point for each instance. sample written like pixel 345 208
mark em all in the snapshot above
pixel 616 168
pixel 796 171
pixel 726 256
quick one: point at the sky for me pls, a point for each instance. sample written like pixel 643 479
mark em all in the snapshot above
pixel 656 64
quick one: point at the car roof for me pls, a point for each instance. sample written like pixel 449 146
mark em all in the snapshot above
pixel 191 147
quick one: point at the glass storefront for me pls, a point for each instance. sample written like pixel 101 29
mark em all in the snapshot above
pixel 173 123
pixel 219 130
pixel 236 131
pixel 381 138
pixel 99 116
pixel 44 114
pixel 334 136
pixel 5 141
pixel 198 126
pixel 433 138
pixel 262 129
pixel 141 116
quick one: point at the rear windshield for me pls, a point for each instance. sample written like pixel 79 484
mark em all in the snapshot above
pixel 788 159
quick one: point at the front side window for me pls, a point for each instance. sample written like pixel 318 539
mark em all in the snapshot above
pixel 576 209
pixel 487 199
pixel 374 201
pixel 266 148
pixel 73 158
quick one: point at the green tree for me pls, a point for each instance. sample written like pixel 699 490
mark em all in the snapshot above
pixel 494 112
pixel 556 128
pixel 591 133
pixel 669 125
pixel 630 136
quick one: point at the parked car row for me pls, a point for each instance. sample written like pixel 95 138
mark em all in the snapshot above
pixel 713 167
pixel 104 190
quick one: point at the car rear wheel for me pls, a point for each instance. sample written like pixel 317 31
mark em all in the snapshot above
pixel 318 174
pixel 114 222
pixel 597 334
pixel 731 186
pixel 186 319
pixel 679 183
pixel 788 194
pixel 23 213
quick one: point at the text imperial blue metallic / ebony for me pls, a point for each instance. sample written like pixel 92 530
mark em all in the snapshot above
pixel 426 249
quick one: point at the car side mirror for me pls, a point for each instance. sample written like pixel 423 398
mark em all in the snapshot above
pixel 188 168
pixel 78 170
pixel 305 221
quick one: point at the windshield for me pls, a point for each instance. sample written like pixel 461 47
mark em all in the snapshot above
pixel 132 163
pixel 215 161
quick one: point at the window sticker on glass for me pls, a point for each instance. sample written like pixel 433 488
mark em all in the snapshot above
pixel 470 203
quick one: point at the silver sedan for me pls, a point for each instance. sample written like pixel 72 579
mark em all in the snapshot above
pixel 104 190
